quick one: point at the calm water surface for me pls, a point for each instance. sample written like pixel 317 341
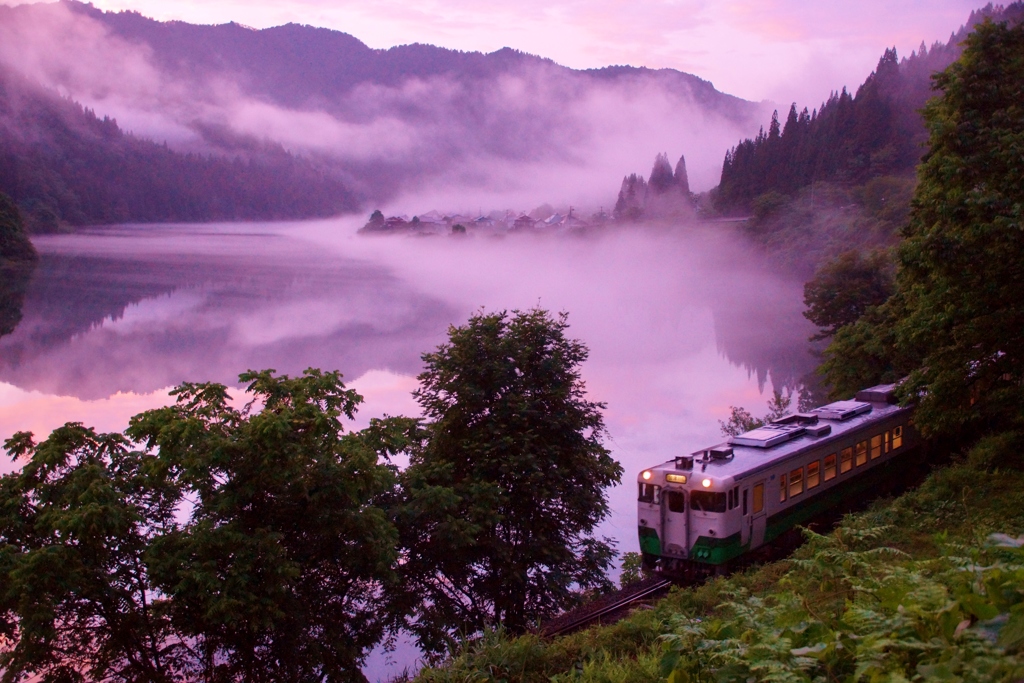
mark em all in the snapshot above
pixel 680 323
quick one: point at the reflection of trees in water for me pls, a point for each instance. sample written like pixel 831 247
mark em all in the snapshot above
pixel 768 338
pixel 14 281
pixel 73 294
pixel 206 317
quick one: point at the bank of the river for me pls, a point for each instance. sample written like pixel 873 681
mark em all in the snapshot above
pixel 916 588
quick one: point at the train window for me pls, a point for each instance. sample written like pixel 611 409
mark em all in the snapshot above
pixel 845 460
pixel 813 474
pixel 676 501
pixel 876 446
pixel 796 482
pixel 862 453
pixel 731 505
pixel 648 493
pixel 708 501
pixel 888 436
pixel 830 467
pixel 758 498
pixel 782 488
pixel 744 501
pixel 897 437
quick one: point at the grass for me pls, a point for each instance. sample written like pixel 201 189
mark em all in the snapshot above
pixel 910 589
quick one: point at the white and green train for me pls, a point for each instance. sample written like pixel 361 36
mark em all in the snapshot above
pixel 702 511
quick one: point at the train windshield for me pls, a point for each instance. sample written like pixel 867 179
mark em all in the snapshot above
pixel 648 493
pixel 708 501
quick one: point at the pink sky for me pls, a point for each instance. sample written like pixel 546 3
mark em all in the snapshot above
pixel 783 50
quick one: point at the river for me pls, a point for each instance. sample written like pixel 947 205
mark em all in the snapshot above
pixel 681 322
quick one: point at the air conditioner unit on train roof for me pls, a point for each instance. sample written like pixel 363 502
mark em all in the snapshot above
pixel 842 410
pixel 881 393
pixel 769 435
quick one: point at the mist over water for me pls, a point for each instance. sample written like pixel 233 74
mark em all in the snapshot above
pixel 680 321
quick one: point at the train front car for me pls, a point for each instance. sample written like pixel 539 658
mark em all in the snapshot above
pixel 700 512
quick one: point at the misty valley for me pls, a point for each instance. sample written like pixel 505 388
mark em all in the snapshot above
pixel 116 316
pixel 328 362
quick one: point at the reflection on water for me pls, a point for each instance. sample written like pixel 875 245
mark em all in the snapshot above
pixel 680 324
pixel 14 279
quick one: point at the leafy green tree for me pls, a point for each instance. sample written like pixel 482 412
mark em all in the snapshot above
pixel 844 288
pixel 962 259
pixel 237 544
pixel 956 322
pixel 866 352
pixel 740 419
pixel 283 568
pixel 504 496
pixel 77 598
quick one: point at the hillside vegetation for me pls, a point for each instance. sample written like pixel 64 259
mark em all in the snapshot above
pixel 926 587
pixel 840 177
pixel 65 166
pixel 916 588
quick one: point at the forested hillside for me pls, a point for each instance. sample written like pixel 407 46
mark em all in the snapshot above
pixel 850 139
pixel 315 117
pixel 64 165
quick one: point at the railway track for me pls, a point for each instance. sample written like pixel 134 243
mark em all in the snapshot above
pixel 602 609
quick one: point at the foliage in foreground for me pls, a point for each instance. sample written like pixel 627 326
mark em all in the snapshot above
pixel 234 544
pixel 854 616
pixel 263 543
pixel 910 590
pixel 502 499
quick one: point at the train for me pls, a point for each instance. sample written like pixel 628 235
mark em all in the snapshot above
pixel 706 511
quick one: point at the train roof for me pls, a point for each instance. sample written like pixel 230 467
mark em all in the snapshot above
pixel 761 448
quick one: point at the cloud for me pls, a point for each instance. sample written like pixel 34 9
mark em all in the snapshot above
pixel 528 137
pixel 754 49
pixel 534 134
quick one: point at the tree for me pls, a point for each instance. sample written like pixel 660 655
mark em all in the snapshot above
pixel 236 544
pixel 503 498
pixel 956 320
pixel 962 258
pixel 740 420
pixel 76 595
pixel 661 179
pixel 844 288
pixel 15 246
pixel 282 571
pixel 680 178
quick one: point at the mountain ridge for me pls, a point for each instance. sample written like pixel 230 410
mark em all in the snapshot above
pixel 374 123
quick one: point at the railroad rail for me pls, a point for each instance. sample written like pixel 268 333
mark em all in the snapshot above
pixel 600 609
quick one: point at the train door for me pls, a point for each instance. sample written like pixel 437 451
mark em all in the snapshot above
pixel 673 511
pixel 758 514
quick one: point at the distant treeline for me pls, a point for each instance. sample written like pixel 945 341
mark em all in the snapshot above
pixel 851 138
pixel 63 165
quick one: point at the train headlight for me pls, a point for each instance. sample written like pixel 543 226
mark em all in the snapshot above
pixel 706 483
pixel 646 475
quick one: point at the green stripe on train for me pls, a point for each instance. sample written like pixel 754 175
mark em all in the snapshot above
pixel 711 550
pixel 649 541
